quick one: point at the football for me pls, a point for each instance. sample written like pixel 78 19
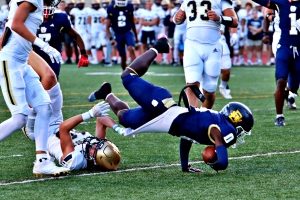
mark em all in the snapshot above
pixel 209 154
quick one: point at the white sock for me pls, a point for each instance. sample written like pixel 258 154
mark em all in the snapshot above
pixel 41 157
pixel 224 83
pixel 279 115
pixel 175 53
pixel 94 54
pixel 104 50
pixel 56 98
pixel 41 125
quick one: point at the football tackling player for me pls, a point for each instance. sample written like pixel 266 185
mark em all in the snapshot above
pixel 158 112
pixel 21 85
pixel 120 17
pixel 52 30
pixel 74 150
pixel 202 58
pixel 287 56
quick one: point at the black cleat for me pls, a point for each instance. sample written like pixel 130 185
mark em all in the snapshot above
pixel 104 90
pixel 279 121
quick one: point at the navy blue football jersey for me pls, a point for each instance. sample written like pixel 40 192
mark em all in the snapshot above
pixel 196 125
pixel 121 18
pixel 289 13
pixel 52 32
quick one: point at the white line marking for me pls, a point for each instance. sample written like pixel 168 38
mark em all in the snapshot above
pixel 11 156
pixel 148 74
pixel 147 168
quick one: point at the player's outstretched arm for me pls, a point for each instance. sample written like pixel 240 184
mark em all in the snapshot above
pixel 84 61
pixel 221 150
pixel 184 149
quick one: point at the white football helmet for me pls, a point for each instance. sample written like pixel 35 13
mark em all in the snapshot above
pixel 121 3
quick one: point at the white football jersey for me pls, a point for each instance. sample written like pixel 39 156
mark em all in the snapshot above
pixel 80 21
pixel 96 16
pixel 18 47
pixel 138 13
pixel 148 15
pixel 199 27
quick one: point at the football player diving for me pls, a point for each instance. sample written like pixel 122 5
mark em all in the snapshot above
pixel 75 150
pixel 52 30
pixel 287 53
pixel 158 112
pixel 120 17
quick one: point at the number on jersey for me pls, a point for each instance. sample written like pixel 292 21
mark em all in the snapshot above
pixel 204 5
pixel 46 37
pixel 293 18
pixel 82 20
pixel 121 21
pixel 97 19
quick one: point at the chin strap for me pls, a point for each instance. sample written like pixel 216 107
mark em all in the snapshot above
pixel 183 95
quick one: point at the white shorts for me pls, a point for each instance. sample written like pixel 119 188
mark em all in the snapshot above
pixel 179 34
pixel 276 37
pixel 98 39
pixel 202 61
pixel 86 37
pixel 21 86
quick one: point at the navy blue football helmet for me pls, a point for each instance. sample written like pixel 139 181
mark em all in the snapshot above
pixel 240 116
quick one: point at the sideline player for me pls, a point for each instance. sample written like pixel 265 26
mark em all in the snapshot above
pixel 120 17
pixel 158 112
pixel 52 30
pixel 226 65
pixel 95 19
pixel 287 56
pixel 21 85
pixel 80 14
pixel 202 59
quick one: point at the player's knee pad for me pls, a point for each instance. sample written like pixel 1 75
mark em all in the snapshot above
pixel 210 83
pixel 226 62
pixel 20 120
pixel 74 161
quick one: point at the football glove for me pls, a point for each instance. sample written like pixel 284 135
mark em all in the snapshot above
pixel 213 166
pixel 54 55
pixel 100 109
pixel 83 61
pixel 191 169
pixel 233 39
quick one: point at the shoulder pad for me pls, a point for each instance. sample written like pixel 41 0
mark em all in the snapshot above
pixel 229 1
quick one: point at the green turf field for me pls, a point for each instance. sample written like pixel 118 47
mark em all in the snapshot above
pixel 265 167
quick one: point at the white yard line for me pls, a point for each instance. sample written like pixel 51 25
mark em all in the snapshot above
pixel 11 156
pixel 146 168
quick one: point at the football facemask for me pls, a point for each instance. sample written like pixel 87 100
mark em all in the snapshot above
pixel 121 3
pixel 240 116
pixel 102 152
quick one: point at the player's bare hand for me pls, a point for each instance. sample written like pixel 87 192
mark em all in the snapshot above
pixel 212 15
pixel 266 39
pixel 180 16
pixel 113 42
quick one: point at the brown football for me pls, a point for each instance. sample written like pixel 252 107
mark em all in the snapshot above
pixel 209 154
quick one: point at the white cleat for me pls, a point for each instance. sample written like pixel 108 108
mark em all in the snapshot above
pixel 225 92
pixel 48 168
pixel 94 62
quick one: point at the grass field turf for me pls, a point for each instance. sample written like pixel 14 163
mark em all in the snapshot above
pixel 265 167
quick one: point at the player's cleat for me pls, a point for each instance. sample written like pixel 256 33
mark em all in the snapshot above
pixel 191 169
pixel 279 121
pixel 164 62
pixel 107 64
pixel 115 62
pixel 225 92
pixel 290 102
pixel 48 168
pixel 94 62
pixel 104 90
pixel 162 45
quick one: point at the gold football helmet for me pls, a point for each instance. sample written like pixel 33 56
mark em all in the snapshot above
pixel 136 2
pixel 102 152
pixel 95 2
pixel 165 2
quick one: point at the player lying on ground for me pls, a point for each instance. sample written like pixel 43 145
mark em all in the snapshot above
pixel 158 112
pixel 74 150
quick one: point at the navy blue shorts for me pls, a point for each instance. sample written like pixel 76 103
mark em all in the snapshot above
pixel 123 40
pixel 55 67
pixel 148 35
pixel 148 96
pixel 288 66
